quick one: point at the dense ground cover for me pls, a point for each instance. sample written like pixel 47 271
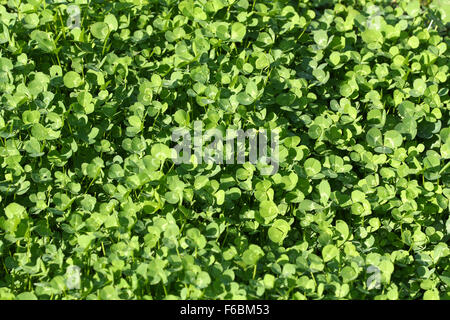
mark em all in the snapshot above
pixel 93 207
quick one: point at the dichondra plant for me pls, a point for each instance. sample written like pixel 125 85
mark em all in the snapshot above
pixel 94 206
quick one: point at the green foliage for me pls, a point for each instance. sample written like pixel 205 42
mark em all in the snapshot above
pixel 358 90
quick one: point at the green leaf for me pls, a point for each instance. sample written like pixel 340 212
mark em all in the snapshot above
pixel 172 197
pixel 85 240
pixel 374 137
pixel 39 132
pixel 238 31
pixel 108 293
pixel 200 182
pixel 393 139
pixel 358 196
pixel 244 99
pixel 72 80
pixel 181 117
pixel 44 40
pixel 348 274
pixel 321 38
pixel 31 116
pixel 312 167
pixel 342 228
pixel 308 205
pixel 325 191
pixel 329 252
pixel 262 61
pixel 111 21
pixel 26 296
pixel 268 209
pixel 278 231
pixel 161 151
pixel 33 147
pixel 413 8
pixel 431 295
pixel 15 210
pixel 372 36
pixel 100 30
pixel 419 86
pixel 251 256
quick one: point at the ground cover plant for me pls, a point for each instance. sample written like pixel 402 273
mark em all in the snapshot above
pixel 93 207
